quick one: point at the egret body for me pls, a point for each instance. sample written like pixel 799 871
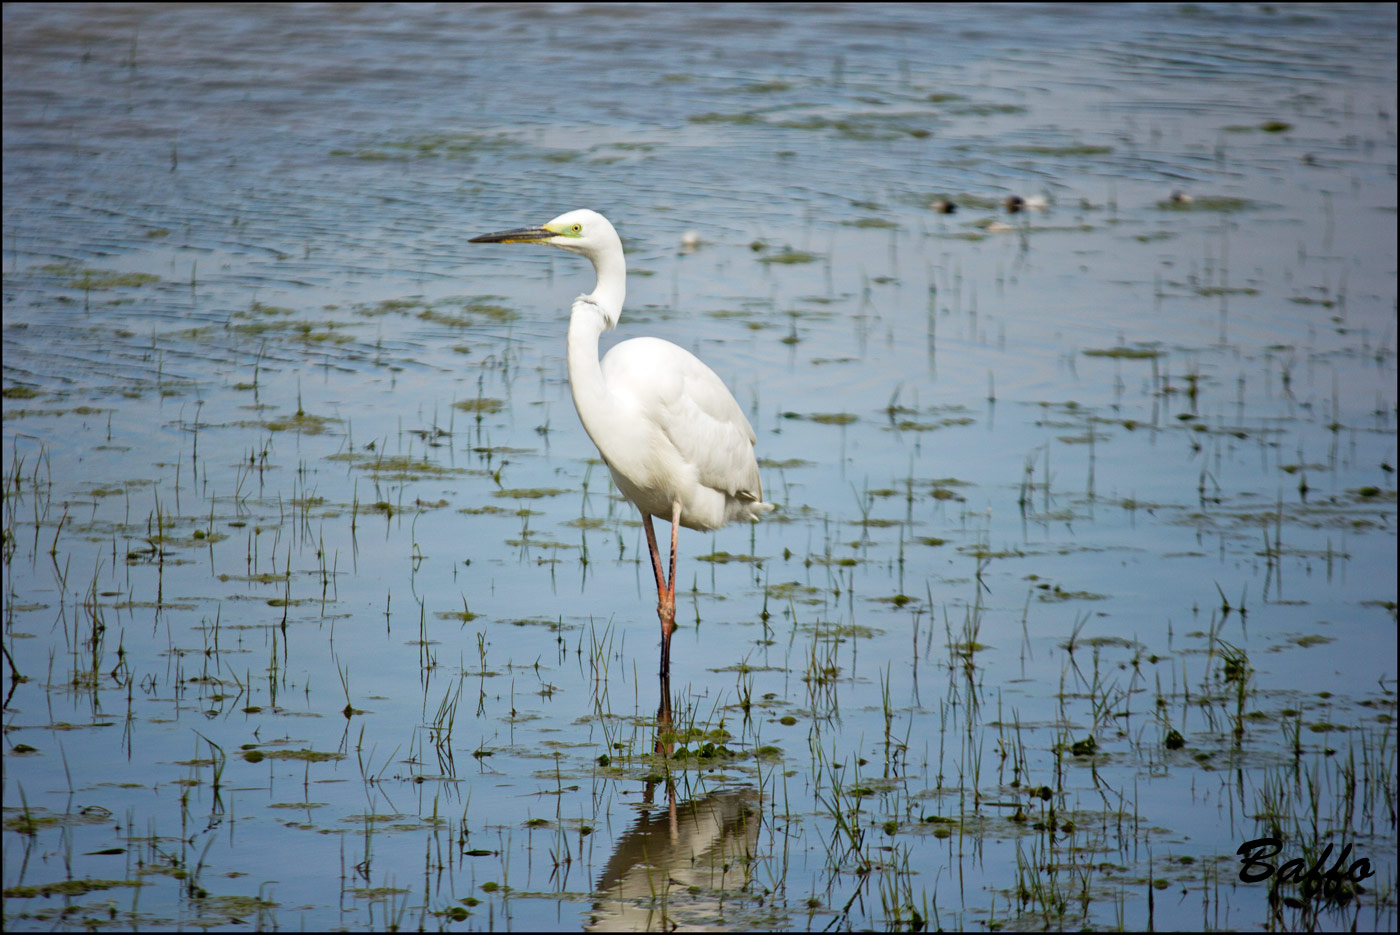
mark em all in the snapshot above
pixel 672 435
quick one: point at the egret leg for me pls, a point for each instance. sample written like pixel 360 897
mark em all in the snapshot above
pixel 675 531
pixel 668 620
pixel 665 594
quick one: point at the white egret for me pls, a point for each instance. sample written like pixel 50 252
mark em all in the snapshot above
pixel 669 430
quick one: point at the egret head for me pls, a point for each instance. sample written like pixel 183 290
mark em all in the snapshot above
pixel 582 231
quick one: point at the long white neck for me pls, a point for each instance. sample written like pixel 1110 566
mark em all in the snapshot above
pixel 593 314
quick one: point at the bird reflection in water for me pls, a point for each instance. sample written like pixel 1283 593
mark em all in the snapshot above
pixel 679 868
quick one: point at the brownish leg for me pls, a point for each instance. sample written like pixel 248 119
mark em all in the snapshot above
pixel 665 593
pixel 655 559
pixel 668 615
pixel 675 530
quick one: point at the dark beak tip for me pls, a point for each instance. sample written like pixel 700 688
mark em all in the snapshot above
pixel 516 235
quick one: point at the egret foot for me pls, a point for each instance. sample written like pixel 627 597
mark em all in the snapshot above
pixel 666 610
pixel 667 627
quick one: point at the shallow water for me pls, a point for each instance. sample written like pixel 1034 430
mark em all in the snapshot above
pixel 321 612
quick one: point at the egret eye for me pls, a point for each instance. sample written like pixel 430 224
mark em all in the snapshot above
pixel 577 228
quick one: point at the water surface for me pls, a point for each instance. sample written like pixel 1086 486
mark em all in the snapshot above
pixel 320 610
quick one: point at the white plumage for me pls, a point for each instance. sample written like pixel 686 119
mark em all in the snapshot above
pixel 689 440
pixel 674 438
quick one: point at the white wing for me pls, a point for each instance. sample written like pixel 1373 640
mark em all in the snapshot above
pixel 692 409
